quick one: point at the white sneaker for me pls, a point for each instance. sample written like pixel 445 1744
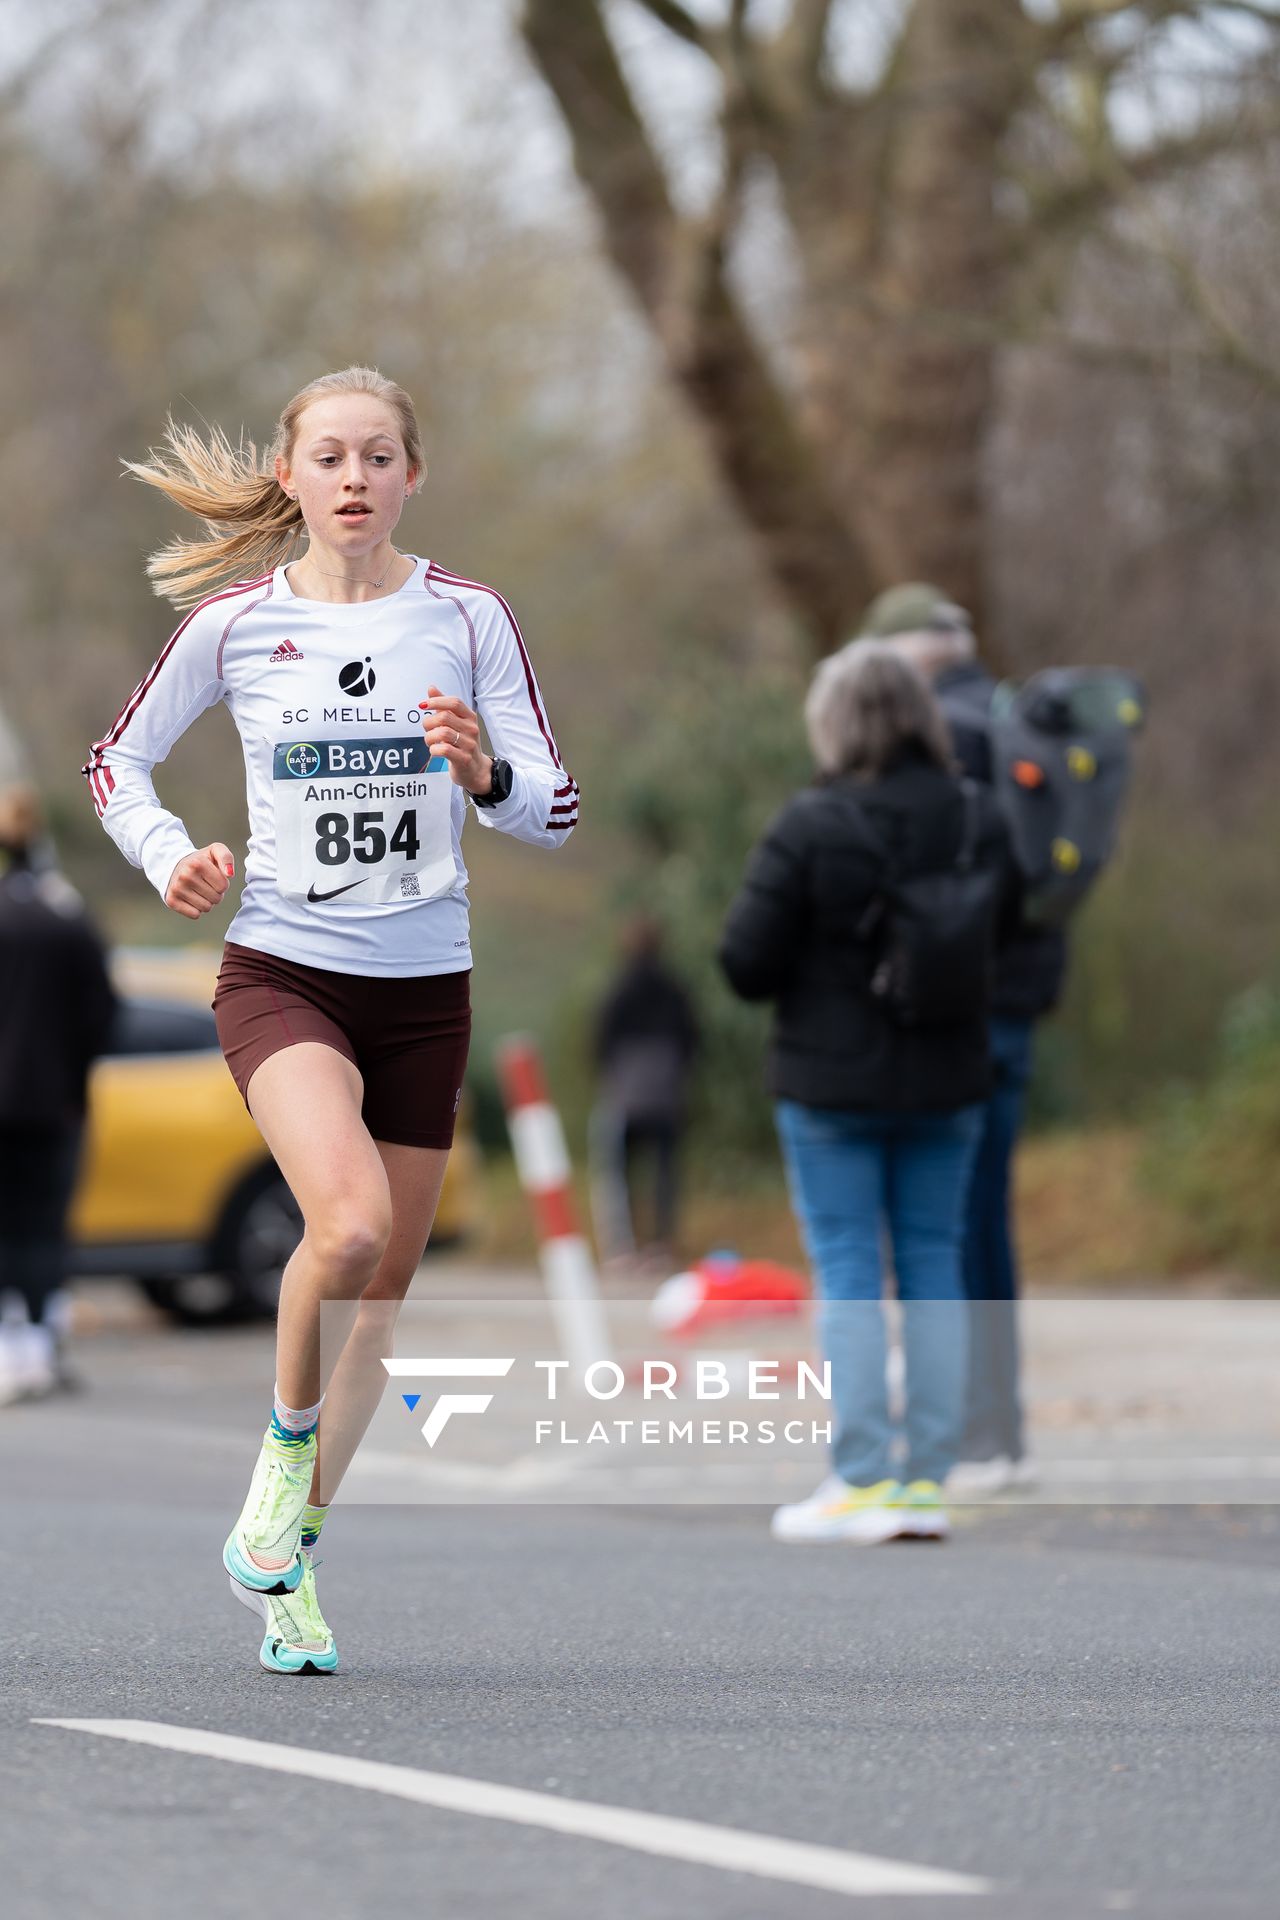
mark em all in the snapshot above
pixel 979 1479
pixel 27 1367
pixel 39 1360
pixel 975 1479
pixel 837 1511
pixel 11 1388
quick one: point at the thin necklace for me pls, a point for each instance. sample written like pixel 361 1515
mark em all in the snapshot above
pixel 395 555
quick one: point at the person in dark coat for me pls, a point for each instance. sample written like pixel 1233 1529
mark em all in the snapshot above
pixel 878 1120
pixel 56 1010
pixel 936 637
pixel 645 1044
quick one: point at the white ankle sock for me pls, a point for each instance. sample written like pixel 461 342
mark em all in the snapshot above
pixel 296 1419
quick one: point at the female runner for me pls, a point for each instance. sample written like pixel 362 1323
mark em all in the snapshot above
pixel 357 677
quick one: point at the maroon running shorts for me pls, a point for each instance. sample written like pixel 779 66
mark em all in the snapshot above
pixel 407 1038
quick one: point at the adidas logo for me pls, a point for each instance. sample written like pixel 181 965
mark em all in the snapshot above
pixel 286 651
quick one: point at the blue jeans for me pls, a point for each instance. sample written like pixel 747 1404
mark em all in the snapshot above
pixel 850 1175
pixel 993 1418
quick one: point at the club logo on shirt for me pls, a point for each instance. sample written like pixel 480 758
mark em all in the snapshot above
pixel 286 651
pixel 302 760
pixel 358 677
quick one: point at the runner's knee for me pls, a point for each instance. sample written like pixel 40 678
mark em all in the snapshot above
pixel 350 1240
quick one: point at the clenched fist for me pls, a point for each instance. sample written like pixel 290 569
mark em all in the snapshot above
pixel 199 883
pixel 452 731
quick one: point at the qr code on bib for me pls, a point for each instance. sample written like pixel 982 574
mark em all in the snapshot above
pixel 409 888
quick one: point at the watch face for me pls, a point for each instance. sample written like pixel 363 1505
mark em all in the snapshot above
pixel 502 781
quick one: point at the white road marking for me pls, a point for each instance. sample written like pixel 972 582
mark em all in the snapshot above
pixel 730 1848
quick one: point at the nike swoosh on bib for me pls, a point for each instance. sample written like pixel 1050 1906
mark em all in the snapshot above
pixel 315 898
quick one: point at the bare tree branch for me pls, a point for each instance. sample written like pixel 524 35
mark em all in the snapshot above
pixel 611 149
pixel 20 82
pixel 678 20
pixel 1150 362
pixel 805 39
pixel 1077 19
pixel 1057 205
pixel 1229 348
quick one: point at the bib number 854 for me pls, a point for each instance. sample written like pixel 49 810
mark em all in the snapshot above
pixel 341 837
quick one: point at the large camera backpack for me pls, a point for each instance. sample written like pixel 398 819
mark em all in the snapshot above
pixel 1062 754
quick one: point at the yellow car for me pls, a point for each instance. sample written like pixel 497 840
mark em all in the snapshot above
pixel 177 1188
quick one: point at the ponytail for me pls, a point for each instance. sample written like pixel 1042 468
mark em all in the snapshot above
pixel 253 524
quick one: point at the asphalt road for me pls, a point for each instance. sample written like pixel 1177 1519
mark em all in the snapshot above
pixel 1075 1708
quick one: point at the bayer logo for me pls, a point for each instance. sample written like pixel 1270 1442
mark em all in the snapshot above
pixel 302 760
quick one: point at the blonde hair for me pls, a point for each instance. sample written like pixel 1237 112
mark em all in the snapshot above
pixel 253 524
pixel 865 705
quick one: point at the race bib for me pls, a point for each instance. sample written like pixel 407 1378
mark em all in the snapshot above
pixel 362 820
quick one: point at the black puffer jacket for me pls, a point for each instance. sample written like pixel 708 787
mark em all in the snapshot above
pixel 792 936
pixel 56 1003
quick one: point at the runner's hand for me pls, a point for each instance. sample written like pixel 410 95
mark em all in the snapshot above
pixel 199 883
pixel 452 732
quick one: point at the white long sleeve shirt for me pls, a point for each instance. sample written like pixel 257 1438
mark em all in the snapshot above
pixel 354 860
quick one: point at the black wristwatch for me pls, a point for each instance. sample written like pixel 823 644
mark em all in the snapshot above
pixel 503 780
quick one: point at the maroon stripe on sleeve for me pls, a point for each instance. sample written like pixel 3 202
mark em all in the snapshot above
pixel 478 586
pixel 453 602
pixel 471 630
pixel 144 685
pixel 239 615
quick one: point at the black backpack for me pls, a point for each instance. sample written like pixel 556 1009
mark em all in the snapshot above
pixel 1062 752
pixel 932 936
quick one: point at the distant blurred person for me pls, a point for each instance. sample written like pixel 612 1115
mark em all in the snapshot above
pixel 56 1009
pixel 645 1044
pixel 867 915
pixel 937 638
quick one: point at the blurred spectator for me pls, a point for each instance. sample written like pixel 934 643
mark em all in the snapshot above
pixel 937 638
pixel 57 1010
pixel 645 1044
pixel 878 1089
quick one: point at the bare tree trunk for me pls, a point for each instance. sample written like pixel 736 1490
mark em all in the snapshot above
pixel 872 470
pixel 892 202
pixel 676 271
pixel 923 401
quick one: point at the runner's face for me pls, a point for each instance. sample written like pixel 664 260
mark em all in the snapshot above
pixel 350 473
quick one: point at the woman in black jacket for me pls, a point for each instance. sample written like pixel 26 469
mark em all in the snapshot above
pixel 877 1101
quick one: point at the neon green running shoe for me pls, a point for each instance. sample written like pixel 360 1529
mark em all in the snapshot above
pixel 297 1639
pixel 838 1511
pixel 922 1515
pixel 271 1519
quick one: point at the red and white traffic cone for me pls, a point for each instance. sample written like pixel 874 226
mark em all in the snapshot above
pixel 542 1162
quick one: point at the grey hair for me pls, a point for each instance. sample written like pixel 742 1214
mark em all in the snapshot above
pixel 865 704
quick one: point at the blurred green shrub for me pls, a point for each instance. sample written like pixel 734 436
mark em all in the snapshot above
pixel 1212 1152
pixel 689 797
